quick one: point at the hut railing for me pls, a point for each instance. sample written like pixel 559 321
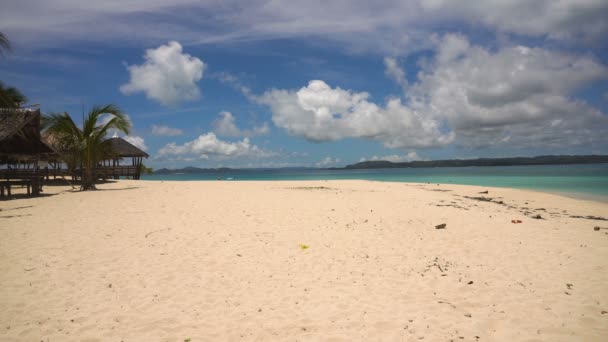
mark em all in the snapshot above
pixel 32 179
pixel 117 171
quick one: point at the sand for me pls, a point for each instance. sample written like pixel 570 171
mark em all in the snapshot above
pixel 301 261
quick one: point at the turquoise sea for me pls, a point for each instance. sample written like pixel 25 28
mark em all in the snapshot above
pixel 582 181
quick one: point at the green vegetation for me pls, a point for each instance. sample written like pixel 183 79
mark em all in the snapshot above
pixel 11 97
pixel 85 146
pixel 146 170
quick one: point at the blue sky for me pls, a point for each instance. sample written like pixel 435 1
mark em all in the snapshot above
pixel 278 83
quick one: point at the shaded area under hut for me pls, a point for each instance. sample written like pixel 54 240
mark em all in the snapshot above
pixel 119 150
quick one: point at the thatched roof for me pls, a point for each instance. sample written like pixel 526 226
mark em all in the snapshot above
pixel 122 148
pixel 50 140
pixel 20 133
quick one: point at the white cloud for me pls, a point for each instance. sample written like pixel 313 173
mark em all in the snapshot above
pixel 137 141
pixel 564 19
pixel 359 25
pixel 520 92
pixel 168 75
pixel 395 158
pixel 208 145
pixel 395 72
pixel 165 131
pixel 318 112
pixel 225 125
pixel 516 96
pixel 327 162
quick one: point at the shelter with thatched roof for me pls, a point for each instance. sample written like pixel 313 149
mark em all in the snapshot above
pixel 20 149
pixel 120 149
pixel 20 135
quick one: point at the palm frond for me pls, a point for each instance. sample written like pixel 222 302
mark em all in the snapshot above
pixel 117 123
pixel 11 97
pixel 87 146
pixel 67 136
pixel 92 120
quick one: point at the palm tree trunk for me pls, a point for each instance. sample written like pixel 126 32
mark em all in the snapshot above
pixel 88 178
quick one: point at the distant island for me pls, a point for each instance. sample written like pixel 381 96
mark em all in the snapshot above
pixel 540 160
pixel 383 164
pixel 221 170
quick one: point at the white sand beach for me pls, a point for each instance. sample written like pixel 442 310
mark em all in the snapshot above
pixel 301 261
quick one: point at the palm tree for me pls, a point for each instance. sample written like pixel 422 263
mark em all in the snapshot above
pixel 86 146
pixel 11 97
pixel 5 45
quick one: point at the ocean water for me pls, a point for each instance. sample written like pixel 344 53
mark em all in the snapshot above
pixel 582 181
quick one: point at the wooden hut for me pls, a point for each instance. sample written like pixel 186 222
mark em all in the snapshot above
pixel 20 149
pixel 121 149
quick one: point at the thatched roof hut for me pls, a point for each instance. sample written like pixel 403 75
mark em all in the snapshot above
pixel 20 134
pixel 124 149
pixel 120 148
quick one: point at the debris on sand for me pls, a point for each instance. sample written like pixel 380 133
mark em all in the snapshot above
pixel 484 199
pixel 441 226
pixel 537 217
pixel 483 192
pixel 516 221
pixel 590 217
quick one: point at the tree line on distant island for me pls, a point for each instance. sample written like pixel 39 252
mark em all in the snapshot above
pixel 514 161
pixel 383 164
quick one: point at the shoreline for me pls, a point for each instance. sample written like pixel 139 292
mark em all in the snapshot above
pixel 309 260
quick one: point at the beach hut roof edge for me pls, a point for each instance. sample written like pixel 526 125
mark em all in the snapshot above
pixel 20 132
pixel 123 148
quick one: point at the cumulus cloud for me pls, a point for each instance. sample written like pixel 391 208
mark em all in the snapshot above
pixel 465 93
pixel 477 97
pixel 137 141
pixel 225 125
pixel 395 158
pixel 165 131
pixel 318 112
pixel 327 162
pixel 168 75
pixel 490 97
pixel 209 146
